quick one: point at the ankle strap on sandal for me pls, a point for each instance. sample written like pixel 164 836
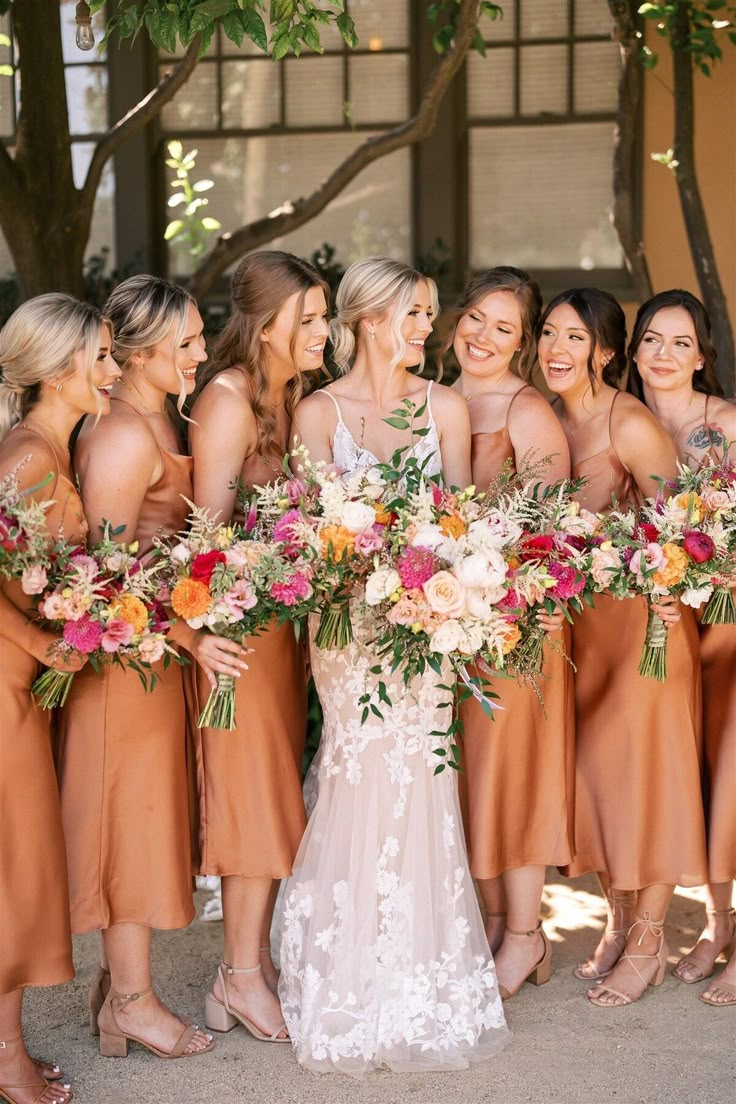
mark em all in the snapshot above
pixel 128 998
pixel 720 912
pixel 653 927
pixel 528 934
pixel 236 970
pixel 5 1043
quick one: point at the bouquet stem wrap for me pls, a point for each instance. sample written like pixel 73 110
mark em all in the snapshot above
pixel 654 653
pixel 52 688
pixel 219 711
pixel 335 627
pixel 720 609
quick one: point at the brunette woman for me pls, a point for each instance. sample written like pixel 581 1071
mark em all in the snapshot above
pixel 252 811
pixel 672 368
pixel 519 768
pixel 639 818
pixel 122 763
pixel 55 367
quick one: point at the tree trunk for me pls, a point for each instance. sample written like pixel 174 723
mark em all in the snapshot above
pixel 696 223
pixel 625 146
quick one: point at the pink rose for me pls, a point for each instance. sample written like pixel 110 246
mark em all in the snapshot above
pixel 445 594
pixel 34 580
pixel 118 634
pixel 84 635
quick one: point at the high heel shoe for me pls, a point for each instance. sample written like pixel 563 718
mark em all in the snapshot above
pixel 48 1093
pixel 219 1016
pixel 588 971
pixel 655 928
pixel 540 973
pixel 114 1041
pixel 688 961
pixel 96 997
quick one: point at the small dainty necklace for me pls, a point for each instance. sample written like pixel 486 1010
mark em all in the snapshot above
pixel 132 387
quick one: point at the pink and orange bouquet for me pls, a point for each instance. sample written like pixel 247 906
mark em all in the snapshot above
pixel 24 538
pixel 107 606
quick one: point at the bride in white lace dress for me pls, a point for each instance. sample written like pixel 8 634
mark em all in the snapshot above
pixel 384 960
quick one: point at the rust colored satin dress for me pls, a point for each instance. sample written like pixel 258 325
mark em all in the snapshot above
pixel 123 773
pixel 251 809
pixel 638 807
pixel 517 785
pixel 35 940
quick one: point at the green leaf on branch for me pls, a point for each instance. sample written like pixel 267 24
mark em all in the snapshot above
pixel 346 27
pixel 173 229
pixel 255 28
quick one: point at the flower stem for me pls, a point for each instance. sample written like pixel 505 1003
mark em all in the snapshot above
pixel 720 609
pixel 654 653
pixel 52 688
pixel 219 710
pixel 335 627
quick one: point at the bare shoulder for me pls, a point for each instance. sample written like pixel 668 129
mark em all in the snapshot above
pixel 528 402
pixel 314 407
pixel 226 401
pixel 630 418
pixel 448 403
pixel 722 416
pixel 28 458
pixel 122 436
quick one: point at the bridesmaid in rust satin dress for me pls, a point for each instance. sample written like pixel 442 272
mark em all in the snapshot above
pixel 252 814
pixel 672 367
pixel 54 362
pixel 122 755
pixel 639 817
pixel 518 778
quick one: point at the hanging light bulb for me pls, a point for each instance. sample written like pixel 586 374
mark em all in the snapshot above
pixel 83 19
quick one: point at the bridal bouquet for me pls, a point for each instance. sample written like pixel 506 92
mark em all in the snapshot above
pixel 24 536
pixel 106 604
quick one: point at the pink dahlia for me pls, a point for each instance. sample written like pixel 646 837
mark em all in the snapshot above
pixel 84 635
pixel 569 581
pixel 293 591
pixel 416 566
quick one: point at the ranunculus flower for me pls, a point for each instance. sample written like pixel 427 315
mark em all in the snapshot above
pixel 151 649
pixel 569 581
pixel 604 562
pixel 204 565
pixel 447 637
pixel 118 634
pixel 699 546
pixel 445 594
pixel 481 569
pixel 674 568
pixel 381 584
pixel 84 635
pixel 358 516
pixel 649 532
pixel 190 599
pixel 34 580
pixel 539 545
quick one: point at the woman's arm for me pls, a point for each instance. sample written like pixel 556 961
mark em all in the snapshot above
pixel 536 432
pixel 313 418
pixel 453 428
pixel 222 435
pixel 642 445
pixel 118 462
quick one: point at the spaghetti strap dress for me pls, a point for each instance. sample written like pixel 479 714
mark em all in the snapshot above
pixel 251 809
pixel 638 807
pixel 34 902
pixel 518 781
pixel 718 665
pixel 122 768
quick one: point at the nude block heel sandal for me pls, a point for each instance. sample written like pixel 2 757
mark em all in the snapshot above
pixel 219 1016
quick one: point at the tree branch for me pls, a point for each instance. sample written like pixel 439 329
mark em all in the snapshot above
pixel 625 150
pixel 293 214
pixel 137 118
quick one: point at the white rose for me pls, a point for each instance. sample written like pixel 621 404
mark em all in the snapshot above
pixel 381 584
pixel 447 638
pixel 480 601
pixel 481 569
pixel 696 597
pixel 358 516
pixel 428 536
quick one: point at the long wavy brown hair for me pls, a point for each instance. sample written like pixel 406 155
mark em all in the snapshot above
pixel 261 284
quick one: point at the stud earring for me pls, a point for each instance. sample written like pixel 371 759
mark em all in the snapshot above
pixel 372 334
pixel 701 363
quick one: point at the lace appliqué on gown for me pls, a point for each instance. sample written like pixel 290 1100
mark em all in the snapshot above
pixel 384 960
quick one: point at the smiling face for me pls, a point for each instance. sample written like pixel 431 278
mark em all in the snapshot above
pixel 668 354
pixel 415 328
pixel 175 359
pixel 488 335
pixel 564 350
pixel 309 320
pixel 89 391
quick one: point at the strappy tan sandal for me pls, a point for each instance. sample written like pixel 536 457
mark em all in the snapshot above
pixel 656 927
pixel 219 1016
pixel 96 997
pixel 114 1042
pixel 587 971
pixel 538 974
pixel 47 1094
pixel 725 953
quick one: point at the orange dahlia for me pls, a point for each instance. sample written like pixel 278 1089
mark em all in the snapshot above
pixel 453 526
pixel 131 609
pixel 674 569
pixel 337 541
pixel 511 637
pixel 383 517
pixel 190 598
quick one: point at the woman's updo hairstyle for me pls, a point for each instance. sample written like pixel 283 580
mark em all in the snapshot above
pixel 375 286
pixel 261 284
pixel 706 379
pixel 529 298
pixel 37 345
pixel 604 319
pixel 143 310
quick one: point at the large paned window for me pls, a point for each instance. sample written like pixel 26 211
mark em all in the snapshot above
pixel 87 97
pixel 541 110
pixel 267 133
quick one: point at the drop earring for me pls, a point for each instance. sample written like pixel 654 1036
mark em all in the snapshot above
pixel 58 386
pixel 372 334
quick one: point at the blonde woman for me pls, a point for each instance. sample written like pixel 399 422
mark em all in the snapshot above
pixel 252 811
pixel 384 961
pixel 672 368
pixel 122 755
pixel 519 776
pixel 55 367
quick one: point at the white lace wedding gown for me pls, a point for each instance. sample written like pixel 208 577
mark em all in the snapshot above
pixel 384 960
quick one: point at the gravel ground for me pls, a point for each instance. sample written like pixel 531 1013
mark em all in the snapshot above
pixel 667 1047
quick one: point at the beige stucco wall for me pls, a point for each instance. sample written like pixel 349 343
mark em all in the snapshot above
pixel 715 128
